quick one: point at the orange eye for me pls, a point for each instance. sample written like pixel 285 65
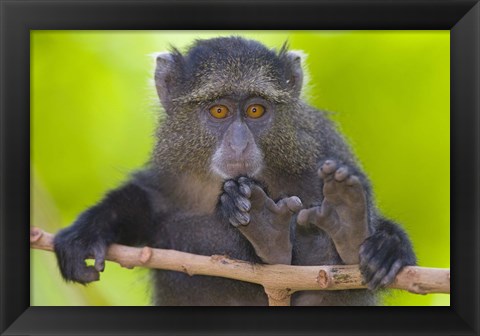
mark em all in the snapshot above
pixel 255 111
pixel 219 111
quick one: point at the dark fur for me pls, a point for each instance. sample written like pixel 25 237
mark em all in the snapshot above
pixel 173 202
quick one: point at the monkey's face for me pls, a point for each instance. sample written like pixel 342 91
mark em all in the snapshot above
pixel 238 125
pixel 230 107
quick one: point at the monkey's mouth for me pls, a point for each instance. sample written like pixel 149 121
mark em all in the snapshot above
pixel 237 165
pixel 235 168
pixel 239 168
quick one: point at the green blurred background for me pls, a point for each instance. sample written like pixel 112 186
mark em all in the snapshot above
pixel 94 109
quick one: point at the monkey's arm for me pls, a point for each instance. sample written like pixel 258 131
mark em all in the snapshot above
pixel 123 216
pixel 379 246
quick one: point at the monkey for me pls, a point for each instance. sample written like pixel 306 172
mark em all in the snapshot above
pixel 242 166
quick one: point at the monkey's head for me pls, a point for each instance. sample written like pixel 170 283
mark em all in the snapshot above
pixel 230 106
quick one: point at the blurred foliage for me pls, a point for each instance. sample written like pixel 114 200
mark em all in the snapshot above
pixel 94 109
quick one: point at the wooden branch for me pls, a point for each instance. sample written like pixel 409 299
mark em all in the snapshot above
pixel 279 281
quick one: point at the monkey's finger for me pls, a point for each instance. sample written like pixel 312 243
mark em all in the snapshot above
pixel 227 208
pixel 288 206
pixel 234 220
pixel 370 248
pixel 308 216
pixel 377 278
pixel 230 186
pixel 327 168
pixel 245 183
pixel 240 218
pixel 88 274
pixel 231 213
pixel 380 274
pixel 232 189
pixel 258 198
pixel 392 273
pixel 341 174
pixel 99 253
pixel 71 256
pixel 245 190
pixel 322 217
pixel 366 252
pixel 244 180
pixel 242 204
pixel 374 265
pixel 81 273
pixel 353 181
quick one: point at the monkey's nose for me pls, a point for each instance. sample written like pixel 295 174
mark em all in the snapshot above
pixel 239 148
pixel 238 138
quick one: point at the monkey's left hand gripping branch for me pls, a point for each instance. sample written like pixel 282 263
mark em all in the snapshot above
pixel 279 281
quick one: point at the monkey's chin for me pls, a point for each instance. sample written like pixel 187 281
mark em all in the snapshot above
pixel 232 170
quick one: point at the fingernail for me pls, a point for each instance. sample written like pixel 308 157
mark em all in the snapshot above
pixel 244 205
pixel 297 200
pixel 245 190
pixel 245 219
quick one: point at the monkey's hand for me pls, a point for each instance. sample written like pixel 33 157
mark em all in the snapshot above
pixel 384 254
pixel 263 222
pixel 343 215
pixel 124 216
pixel 72 247
pixel 343 212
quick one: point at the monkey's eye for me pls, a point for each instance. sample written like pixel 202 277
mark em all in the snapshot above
pixel 219 111
pixel 255 111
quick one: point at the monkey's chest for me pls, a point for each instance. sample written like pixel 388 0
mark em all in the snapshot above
pixel 201 234
pixel 204 235
pixel 174 288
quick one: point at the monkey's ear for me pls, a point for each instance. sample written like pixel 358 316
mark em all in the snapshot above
pixel 165 73
pixel 294 71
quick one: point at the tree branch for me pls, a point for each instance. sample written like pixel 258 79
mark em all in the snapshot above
pixel 279 281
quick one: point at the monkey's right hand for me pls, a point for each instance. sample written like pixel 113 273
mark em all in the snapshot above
pixel 263 222
pixel 72 246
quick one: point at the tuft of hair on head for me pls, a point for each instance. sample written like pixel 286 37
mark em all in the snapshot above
pixel 284 48
pixel 302 56
pixel 295 63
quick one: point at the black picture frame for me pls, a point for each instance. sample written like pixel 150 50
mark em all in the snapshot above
pixel 18 17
